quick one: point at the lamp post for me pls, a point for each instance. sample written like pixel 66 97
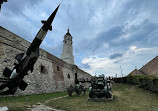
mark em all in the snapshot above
pixel 121 71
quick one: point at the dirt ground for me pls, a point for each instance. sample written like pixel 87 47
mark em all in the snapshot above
pixel 42 107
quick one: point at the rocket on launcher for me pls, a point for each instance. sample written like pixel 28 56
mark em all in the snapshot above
pixel 14 78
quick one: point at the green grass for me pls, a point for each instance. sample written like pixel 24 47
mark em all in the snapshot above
pixel 20 103
pixel 126 98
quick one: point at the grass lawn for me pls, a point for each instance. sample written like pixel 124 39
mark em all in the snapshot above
pixel 126 98
pixel 20 103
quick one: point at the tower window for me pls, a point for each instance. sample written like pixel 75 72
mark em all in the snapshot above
pixel 58 69
pixel 43 70
pixel 65 42
pixel 68 76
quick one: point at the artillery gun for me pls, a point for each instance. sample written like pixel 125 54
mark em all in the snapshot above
pixel 77 88
pixel 100 88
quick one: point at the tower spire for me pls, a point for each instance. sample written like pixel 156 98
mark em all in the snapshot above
pixel 68 29
pixel 68 33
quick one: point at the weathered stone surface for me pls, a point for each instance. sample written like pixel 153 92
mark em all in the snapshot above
pixel 50 73
pixel 136 72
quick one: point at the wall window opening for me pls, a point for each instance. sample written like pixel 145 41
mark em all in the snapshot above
pixel 68 76
pixel 58 69
pixel 43 70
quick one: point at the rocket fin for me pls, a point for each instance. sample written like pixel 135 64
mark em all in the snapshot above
pixel 19 57
pixel 23 85
pixel 7 72
pixel 43 21
pixel 50 28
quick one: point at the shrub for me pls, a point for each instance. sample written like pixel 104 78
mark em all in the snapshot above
pixel 146 82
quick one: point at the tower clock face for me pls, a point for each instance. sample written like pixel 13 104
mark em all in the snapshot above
pixel 68 38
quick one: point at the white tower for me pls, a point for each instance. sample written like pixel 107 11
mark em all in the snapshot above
pixel 67 54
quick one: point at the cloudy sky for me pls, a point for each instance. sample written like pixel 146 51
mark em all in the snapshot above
pixel 107 34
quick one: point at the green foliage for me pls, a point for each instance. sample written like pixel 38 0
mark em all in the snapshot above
pixel 143 81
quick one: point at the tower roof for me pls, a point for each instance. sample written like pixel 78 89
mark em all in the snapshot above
pixel 68 33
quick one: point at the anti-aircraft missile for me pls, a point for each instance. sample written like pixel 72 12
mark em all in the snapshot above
pixel 42 32
pixel 26 61
pixel 34 47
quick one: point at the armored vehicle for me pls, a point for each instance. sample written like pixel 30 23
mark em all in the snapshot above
pixel 100 88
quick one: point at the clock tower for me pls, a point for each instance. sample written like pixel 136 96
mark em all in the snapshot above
pixel 67 54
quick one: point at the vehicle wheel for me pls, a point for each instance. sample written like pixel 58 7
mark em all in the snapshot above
pixel 78 92
pixel 109 94
pixel 69 93
pixel 91 95
pixel 84 91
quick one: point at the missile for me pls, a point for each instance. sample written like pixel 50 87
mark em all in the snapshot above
pixel 33 50
pixel 42 32
pixel 26 60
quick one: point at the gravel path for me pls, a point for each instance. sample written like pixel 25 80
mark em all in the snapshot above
pixel 42 107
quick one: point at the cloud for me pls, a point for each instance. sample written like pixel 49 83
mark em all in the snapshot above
pixel 106 34
pixel 100 65
pixel 136 49
pixel 86 66
pixel 132 57
pixel 18 6
pixel 119 38
pixel 116 55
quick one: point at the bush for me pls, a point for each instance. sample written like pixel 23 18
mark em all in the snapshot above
pixel 120 80
pixel 146 82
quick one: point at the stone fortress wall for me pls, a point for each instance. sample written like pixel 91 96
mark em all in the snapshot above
pixel 151 68
pixel 50 73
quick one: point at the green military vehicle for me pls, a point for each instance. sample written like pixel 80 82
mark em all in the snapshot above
pixel 77 88
pixel 100 88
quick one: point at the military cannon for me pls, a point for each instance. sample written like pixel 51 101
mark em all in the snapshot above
pixel 77 88
pixel 100 88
